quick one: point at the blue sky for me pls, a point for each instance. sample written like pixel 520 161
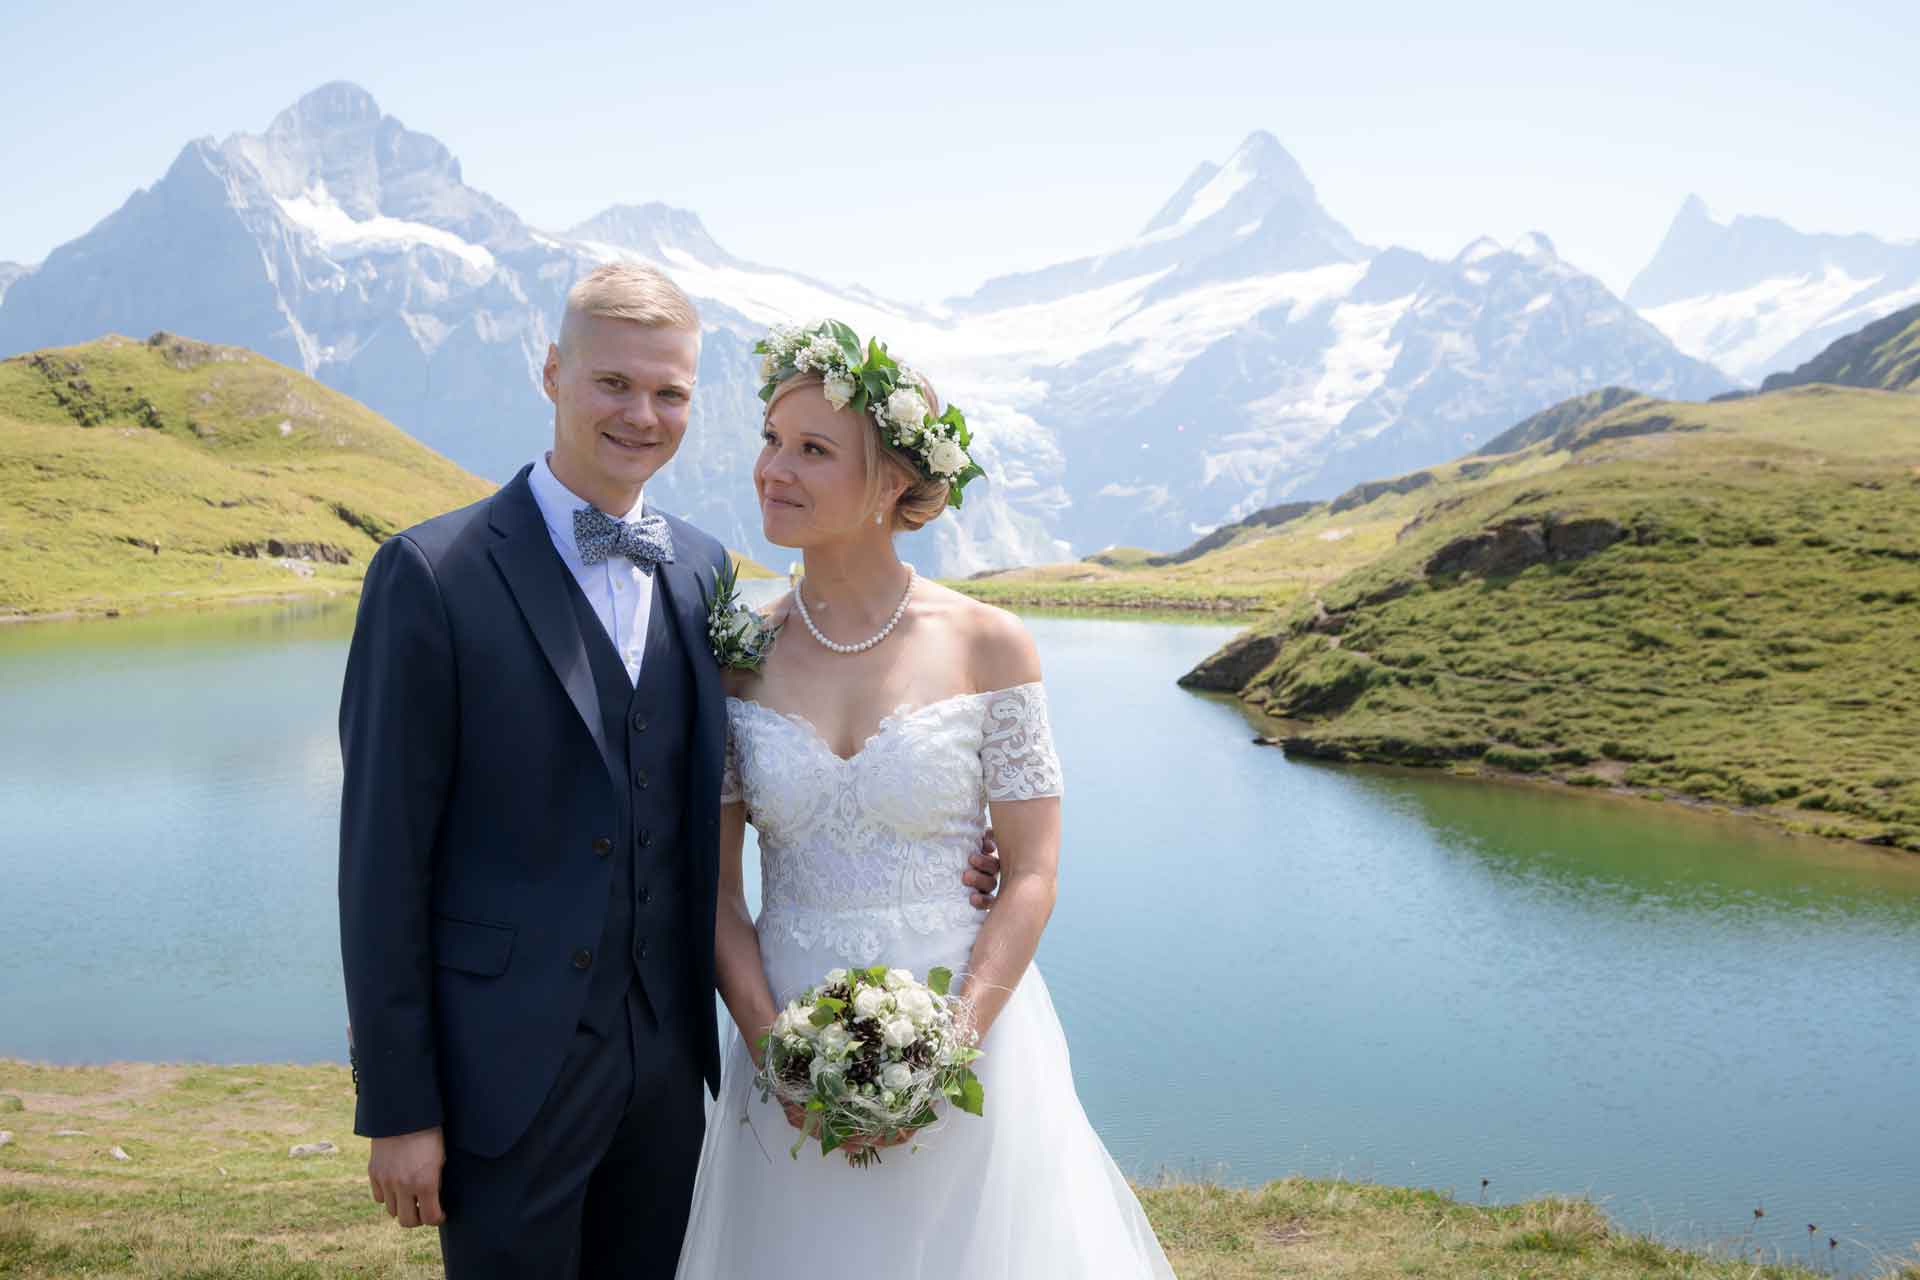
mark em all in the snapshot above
pixel 920 149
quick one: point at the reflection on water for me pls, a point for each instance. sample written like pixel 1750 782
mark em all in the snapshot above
pixel 1264 966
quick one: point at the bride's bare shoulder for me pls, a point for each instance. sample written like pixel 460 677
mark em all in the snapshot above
pixel 999 648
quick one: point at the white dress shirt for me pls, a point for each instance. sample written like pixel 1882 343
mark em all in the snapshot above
pixel 621 595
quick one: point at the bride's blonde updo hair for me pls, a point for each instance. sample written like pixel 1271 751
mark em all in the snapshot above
pixel 924 498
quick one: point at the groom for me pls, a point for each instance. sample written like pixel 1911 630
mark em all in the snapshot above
pixel 532 726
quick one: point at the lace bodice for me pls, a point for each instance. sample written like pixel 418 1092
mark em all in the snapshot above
pixel 856 852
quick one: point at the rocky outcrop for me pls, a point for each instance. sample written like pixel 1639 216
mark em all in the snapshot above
pixel 1515 545
pixel 1230 668
pixel 275 549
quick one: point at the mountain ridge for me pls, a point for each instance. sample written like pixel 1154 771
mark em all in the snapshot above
pixel 1245 350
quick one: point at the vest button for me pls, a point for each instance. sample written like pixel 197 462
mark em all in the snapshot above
pixel 639 723
pixel 646 896
pixel 602 846
pixel 643 951
pixel 582 958
pixel 640 779
pixel 646 838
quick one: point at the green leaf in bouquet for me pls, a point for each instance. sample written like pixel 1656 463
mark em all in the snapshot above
pixel 963 1056
pixel 830 1137
pixel 939 979
pixel 973 1097
pixel 877 972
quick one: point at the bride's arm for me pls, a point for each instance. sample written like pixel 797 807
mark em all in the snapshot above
pixel 1029 836
pixel 1028 833
pixel 736 945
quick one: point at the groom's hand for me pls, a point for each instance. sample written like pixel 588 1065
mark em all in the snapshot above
pixel 983 876
pixel 405 1173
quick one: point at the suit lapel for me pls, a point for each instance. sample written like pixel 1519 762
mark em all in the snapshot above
pixel 683 587
pixel 532 570
pixel 687 594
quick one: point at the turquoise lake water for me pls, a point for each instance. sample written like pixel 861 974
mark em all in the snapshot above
pixel 1264 967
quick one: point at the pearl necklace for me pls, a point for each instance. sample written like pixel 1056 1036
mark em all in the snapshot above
pixel 800 600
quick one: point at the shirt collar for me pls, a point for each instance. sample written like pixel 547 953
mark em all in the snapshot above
pixel 558 503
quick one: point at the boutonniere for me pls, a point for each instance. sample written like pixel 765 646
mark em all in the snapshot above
pixel 741 638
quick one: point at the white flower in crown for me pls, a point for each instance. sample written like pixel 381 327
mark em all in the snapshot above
pixel 908 409
pixel 821 355
pixel 839 390
pixel 946 459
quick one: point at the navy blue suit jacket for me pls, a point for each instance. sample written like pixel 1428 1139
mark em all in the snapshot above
pixel 477 787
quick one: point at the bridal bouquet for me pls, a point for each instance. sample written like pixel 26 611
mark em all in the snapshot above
pixel 867 1054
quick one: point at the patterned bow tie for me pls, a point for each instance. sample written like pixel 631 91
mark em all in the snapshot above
pixel 646 541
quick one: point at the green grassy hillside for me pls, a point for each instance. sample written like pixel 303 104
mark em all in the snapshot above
pixel 209 1191
pixel 1718 601
pixel 141 474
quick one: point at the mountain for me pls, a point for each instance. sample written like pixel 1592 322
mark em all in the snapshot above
pixel 1243 350
pixel 138 474
pixel 1885 355
pixel 1754 295
pixel 1204 403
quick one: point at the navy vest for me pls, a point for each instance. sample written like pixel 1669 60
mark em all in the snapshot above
pixel 648 731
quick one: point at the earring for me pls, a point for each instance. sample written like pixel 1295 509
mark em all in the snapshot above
pixel 876 517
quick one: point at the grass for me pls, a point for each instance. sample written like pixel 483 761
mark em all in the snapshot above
pixel 140 475
pixel 137 475
pixel 1752 643
pixel 210 1193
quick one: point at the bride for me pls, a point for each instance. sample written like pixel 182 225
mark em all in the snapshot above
pixel 891 713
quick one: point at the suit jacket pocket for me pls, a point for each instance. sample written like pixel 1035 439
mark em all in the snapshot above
pixel 471 946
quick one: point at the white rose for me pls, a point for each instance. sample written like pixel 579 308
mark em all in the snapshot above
pixel 827 1076
pixel 898 1077
pixel 839 390
pixel 900 979
pixel 836 976
pixel 871 1002
pixel 801 1020
pixel 917 1004
pixel 898 1032
pixel 834 1039
pixel 783 1025
pixel 906 407
pixel 946 458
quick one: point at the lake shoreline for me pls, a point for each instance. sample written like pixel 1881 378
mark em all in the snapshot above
pixel 185 1170
pixel 1486 774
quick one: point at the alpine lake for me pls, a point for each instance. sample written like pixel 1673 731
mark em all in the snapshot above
pixel 1263 966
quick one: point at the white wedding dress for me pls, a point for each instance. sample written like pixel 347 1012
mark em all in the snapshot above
pixel 861 862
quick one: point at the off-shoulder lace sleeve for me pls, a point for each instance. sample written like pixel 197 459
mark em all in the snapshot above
pixel 1017 752
pixel 730 792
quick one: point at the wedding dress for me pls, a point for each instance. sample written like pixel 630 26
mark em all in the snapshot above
pixel 861 860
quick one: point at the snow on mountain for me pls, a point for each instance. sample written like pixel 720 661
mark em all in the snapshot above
pixel 1754 295
pixel 1243 348
pixel 10 272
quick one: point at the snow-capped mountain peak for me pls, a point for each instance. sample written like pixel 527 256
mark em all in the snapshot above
pixel 651 230
pixel 1754 295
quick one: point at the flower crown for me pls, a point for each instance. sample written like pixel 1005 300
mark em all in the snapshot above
pixel 873 382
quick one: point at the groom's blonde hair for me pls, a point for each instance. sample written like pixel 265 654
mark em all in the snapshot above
pixel 628 291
